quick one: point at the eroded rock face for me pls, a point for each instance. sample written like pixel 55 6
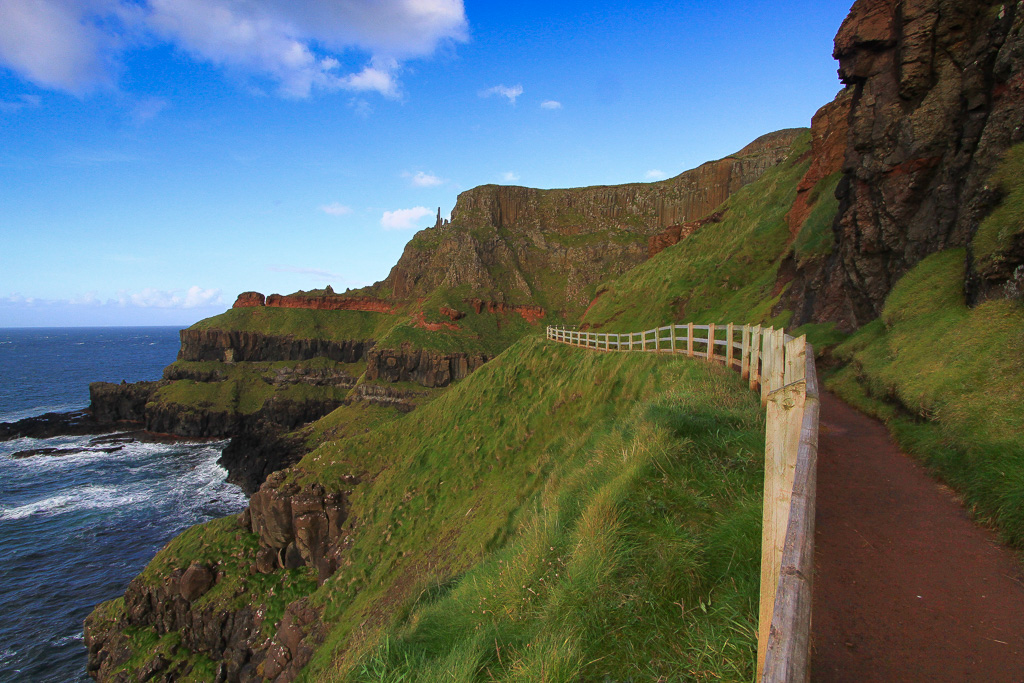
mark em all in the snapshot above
pixel 237 346
pixel 674 234
pixel 111 402
pixel 428 368
pixel 249 300
pixel 937 97
pixel 231 636
pixel 298 526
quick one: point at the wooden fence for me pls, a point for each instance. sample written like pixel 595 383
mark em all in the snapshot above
pixel 781 368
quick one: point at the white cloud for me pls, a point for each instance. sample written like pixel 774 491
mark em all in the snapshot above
pixel 19 103
pixel 299 45
pixel 654 174
pixel 510 177
pixel 550 104
pixel 315 272
pixel 148 109
pixel 509 92
pixel 404 219
pixel 336 209
pixel 421 179
pixel 150 297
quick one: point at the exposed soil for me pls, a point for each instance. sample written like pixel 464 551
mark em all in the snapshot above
pixel 906 587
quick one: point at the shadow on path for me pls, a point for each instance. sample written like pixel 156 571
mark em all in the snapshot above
pixel 906 587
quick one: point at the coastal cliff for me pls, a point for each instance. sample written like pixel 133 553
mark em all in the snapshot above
pixel 937 99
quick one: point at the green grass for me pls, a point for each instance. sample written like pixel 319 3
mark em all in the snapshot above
pixel 725 272
pixel 603 509
pixel 1006 223
pixel 558 515
pixel 949 382
pixel 815 237
pixel 301 323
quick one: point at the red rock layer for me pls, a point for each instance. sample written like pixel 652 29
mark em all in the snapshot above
pixel 321 302
pixel 249 300
pixel 829 129
pixel 674 234
pixel 531 314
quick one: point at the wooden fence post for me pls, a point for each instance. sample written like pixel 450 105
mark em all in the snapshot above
pixel 689 340
pixel 755 358
pixel 672 334
pixel 728 345
pixel 711 342
pixel 767 357
pixel 782 441
pixel 796 360
pixel 745 353
pixel 779 362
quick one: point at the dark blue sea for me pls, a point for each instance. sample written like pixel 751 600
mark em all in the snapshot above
pixel 75 529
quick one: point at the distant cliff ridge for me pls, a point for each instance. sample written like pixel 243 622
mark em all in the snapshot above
pixel 551 247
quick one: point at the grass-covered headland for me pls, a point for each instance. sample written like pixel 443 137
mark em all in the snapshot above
pixel 559 515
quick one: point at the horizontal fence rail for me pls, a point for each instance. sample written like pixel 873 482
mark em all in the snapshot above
pixel 781 368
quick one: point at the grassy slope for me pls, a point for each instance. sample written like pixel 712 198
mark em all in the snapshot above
pixel 563 528
pixel 487 333
pixel 558 515
pixel 1006 223
pixel 724 272
pixel 245 387
pixel 958 375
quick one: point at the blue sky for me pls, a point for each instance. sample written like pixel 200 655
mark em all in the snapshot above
pixel 160 156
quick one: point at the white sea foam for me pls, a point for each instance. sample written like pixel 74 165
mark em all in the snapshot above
pixel 74 500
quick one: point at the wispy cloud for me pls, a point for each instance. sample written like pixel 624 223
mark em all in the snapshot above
pixel 421 179
pixel 550 104
pixel 508 92
pixel 301 46
pixel 405 219
pixel 148 109
pixel 654 174
pixel 150 297
pixel 510 177
pixel 336 209
pixel 19 103
pixel 315 272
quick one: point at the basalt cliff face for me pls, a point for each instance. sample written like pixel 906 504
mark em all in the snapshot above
pixel 550 247
pixel 937 96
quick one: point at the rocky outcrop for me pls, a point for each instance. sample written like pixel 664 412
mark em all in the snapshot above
pixel 78 422
pixel 937 95
pixel 249 300
pixel 428 368
pixel 531 314
pixel 110 402
pixel 236 345
pixel 328 301
pixel 298 526
pixel 829 132
pixel 674 234
pixel 547 248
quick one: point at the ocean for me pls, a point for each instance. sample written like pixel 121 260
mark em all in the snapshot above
pixel 77 528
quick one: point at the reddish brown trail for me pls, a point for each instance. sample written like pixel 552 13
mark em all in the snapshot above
pixel 906 587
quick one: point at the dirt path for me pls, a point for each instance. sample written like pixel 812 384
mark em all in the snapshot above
pixel 906 587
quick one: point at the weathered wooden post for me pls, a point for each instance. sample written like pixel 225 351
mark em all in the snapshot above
pixel 767 358
pixel 728 345
pixel 745 353
pixel 782 442
pixel 755 358
pixel 689 339
pixel 672 336
pixel 711 342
